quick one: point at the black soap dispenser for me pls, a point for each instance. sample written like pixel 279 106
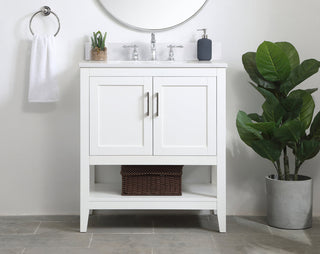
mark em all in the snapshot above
pixel 204 47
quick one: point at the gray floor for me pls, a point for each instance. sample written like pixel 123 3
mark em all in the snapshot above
pixel 152 235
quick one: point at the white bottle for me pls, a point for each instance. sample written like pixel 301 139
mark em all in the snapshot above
pixel 87 51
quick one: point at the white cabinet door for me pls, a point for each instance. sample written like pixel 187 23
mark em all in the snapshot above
pixel 184 115
pixel 120 116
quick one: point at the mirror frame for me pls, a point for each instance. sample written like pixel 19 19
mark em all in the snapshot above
pixel 141 29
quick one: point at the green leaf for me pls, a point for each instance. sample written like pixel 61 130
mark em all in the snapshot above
pixel 291 53
pixel 272 109
pixel 255 117
pixel 306 112
pixel 92 43
pixel 265 127
pixel 266 94
pixel 293 107
pixel 94 40
pixel 104 40
pixel 272 112
pixel 246 133
pixel 299 74
pixel 311 90
pixel 291 130
pixel 315 127
pixel 249 63
pixel 307 149
pixel 267 149
pixel 272 62
pixel 100 42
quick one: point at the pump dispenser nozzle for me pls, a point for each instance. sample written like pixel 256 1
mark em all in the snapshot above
pixel 204 32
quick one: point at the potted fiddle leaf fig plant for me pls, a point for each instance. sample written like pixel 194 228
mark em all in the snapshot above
pixel 286 124
pixel 98 46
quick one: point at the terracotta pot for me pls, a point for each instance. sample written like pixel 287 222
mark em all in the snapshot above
pixel 99 55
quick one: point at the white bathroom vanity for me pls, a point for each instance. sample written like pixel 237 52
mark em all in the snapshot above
pixel 153 113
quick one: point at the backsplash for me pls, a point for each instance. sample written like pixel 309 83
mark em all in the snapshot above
pixel 116 52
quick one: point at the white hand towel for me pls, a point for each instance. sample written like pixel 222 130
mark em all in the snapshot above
pixel 42 84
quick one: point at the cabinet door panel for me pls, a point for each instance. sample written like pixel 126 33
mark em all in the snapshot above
pixel 119 124
pixel 185 123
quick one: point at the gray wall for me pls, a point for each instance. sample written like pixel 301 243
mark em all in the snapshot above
pixel 40 143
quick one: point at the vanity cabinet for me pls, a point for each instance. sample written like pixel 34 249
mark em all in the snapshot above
pixel 185 116
pixel 125 116
pixel 120 116
pixel 153 114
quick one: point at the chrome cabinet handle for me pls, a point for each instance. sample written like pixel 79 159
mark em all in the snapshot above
pixel 148 103
pixel 157 95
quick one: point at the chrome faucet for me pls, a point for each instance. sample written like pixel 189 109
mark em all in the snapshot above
pixel 153 47
pixel 171 52
pixel 135 54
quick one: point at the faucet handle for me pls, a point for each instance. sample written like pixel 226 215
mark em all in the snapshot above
pixel 135 54
pixel 171 52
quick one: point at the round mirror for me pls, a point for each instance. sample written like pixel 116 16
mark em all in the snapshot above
pixel 152 14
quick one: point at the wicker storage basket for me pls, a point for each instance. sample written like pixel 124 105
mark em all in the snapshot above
pixel 151 180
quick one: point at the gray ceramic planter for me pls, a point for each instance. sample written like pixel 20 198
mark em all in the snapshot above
pixel 289 203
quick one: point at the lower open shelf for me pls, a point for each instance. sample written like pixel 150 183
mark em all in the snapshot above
pixel 194 197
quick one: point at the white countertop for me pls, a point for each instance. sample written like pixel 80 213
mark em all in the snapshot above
pixel 151 64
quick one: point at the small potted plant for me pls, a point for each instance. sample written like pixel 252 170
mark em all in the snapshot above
pixel 98 44
pixel 285 124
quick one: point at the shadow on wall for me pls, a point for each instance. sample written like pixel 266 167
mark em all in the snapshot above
pixel 246 177
pixel 246 170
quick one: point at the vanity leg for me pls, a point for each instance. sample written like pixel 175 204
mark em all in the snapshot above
pixel 221 150
pixel 84 151
pixel 84 217
pixel 222 222
pixel 84 193
pixel 221 196
pixel 84 196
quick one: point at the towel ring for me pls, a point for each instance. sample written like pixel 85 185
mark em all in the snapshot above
pixel 45 11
